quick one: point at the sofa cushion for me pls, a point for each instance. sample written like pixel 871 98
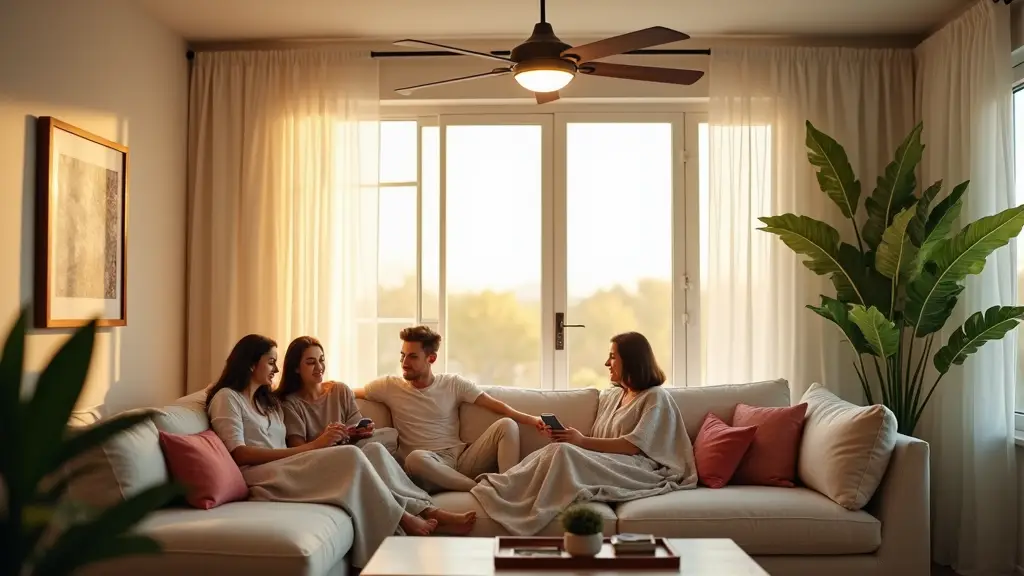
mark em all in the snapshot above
pixel 719 449
pixel 243 538
pixel 203 465
pixel 575 408
pixel 845 448
pixel 761 519
pixel 375 411
pixel 721 399
pixel 771 460
pixel 486 528
pixel 123 466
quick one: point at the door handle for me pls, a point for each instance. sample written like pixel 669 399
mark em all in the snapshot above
pixel 560 327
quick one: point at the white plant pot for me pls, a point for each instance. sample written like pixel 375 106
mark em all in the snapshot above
pixel 583 545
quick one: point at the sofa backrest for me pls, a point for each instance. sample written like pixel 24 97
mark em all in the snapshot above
pixel 578 408
pixel 696 402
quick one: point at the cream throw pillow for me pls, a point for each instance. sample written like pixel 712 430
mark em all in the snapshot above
pixel 845 448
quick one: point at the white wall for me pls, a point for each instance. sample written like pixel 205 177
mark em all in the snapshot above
pixel 107 67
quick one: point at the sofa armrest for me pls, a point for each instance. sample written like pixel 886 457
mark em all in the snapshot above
pixel 903 504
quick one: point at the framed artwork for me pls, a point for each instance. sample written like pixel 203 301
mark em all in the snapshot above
pixel 81 227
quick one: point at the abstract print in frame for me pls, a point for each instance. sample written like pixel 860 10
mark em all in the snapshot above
pixel 81 227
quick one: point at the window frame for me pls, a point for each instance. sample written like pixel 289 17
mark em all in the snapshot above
pixel 1017 86
pixel 686 270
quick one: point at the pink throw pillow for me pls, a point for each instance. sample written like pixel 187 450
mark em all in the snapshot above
pixel 719 449
pixel 771 459
pixel 202 464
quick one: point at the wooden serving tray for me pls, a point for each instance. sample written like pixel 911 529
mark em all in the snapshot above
pixel 506 558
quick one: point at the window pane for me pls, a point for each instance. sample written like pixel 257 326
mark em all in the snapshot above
pixel 704 195
pixel 618 242
pixel 493 253
pixel 1018 140
pixel 396 253
pixel 398 151
pixel 389 347
pixel 431 223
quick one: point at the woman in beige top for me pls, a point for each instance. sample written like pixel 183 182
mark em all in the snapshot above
pixel 310 404
pixel 366 483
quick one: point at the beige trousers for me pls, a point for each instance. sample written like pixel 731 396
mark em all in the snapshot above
pixel 496 450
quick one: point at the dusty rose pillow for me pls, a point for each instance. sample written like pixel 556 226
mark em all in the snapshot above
pixel 772 457
pixel 202 464
pixel 719 449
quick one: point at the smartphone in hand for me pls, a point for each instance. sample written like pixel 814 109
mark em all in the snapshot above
pixel 364 423
pixel 551 421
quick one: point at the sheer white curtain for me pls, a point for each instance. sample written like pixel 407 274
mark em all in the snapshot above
pixel 755 290
pixel 963 87
pixel 282 225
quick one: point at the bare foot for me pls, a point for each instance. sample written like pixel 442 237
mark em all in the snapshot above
pixel 449 522
pixel 416 526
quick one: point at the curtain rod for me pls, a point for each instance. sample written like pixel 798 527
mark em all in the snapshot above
pixel 401 54
pixel 191 54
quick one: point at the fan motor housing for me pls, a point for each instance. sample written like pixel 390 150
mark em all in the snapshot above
pixel 542 44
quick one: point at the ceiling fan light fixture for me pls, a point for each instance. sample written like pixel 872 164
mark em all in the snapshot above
pixel 548 75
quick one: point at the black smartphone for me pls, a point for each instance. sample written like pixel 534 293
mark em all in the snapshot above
pixel 552 421
pixel 364 423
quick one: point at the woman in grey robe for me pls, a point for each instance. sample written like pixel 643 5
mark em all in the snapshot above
pixel 638 447
pixel 366 483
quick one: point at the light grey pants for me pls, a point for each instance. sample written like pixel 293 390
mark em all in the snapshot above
pixel 496 450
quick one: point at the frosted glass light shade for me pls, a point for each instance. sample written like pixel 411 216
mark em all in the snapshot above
pixel 544 80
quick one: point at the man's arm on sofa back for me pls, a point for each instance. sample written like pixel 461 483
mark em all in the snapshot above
pixel 903 505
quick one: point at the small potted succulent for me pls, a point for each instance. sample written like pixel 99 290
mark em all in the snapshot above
pixel 583 530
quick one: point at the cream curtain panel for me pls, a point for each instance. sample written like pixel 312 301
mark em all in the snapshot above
pixel 963 85
pixel 282 214
pixel 755 289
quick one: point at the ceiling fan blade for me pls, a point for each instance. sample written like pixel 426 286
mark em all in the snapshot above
pixel 545 97
pixel 405 91
pixel 654 36
pixel 409 43
pixel 645 73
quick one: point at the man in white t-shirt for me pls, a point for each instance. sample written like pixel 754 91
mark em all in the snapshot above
pixel 425 410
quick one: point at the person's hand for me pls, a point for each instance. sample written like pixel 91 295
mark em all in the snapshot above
pixel 569 436
pixel 539 424
pixel 335 433
pixel 360 433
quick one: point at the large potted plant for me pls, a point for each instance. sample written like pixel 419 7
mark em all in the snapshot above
pixel 37 459
pixel 898 285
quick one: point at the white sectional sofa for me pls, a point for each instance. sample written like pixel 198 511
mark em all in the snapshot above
pixel 789 531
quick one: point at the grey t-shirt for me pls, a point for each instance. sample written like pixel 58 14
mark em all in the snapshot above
pixel 309 419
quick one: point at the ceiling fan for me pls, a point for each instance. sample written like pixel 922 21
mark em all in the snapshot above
pixel 544 64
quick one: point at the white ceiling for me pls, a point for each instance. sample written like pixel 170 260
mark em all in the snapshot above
pixel 208 20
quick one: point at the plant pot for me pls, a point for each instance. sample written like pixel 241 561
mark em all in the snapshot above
pixel 583 544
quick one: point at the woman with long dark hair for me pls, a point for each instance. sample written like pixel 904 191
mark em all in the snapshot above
pixel 311 403
pixel 637 447
pixel 247 417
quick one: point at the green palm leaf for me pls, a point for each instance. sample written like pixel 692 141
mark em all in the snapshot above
pixel 917 225
pixel 897 255
pixel 820 243
pixel 835 174
pixel 836 312
pixel 940 223
pixel 980 328
pixel 56 392
pixel 881 334
pixel 101 537
pixel 931 295
pixel 894 190
pixel 11 367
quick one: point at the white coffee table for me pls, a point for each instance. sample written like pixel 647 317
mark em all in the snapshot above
pixel 455 556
